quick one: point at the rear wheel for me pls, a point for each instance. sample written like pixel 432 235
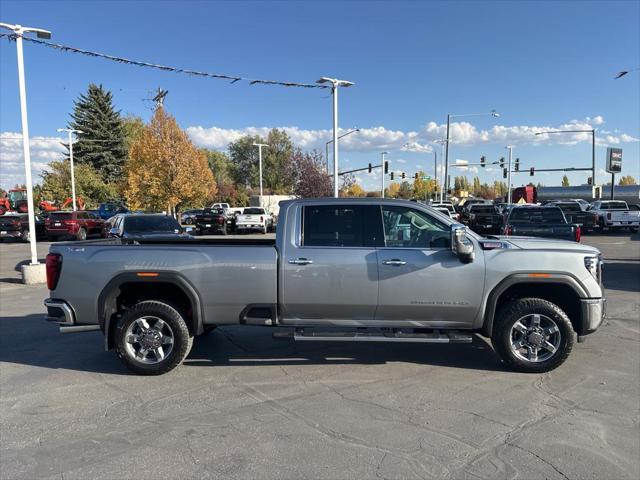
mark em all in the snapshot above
pixel 532 335
pixel 152 338
pixel 82 234
pixel 603 226
pixel 25 236
pixel 188 221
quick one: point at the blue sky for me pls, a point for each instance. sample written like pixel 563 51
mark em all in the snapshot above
pixel 540 64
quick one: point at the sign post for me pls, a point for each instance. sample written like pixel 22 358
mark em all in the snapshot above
pixel 614 165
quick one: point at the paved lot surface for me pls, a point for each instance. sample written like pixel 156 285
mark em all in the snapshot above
pixel 245 406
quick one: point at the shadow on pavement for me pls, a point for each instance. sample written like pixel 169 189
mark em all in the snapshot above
pixel 624 276
pixel 30 340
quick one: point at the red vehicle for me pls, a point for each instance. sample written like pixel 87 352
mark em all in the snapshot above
pixel 79 225
pixel 529 193
pixel 14 200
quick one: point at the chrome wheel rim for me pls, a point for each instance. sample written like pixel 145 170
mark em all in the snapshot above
pixel 535 338
pixel 149 340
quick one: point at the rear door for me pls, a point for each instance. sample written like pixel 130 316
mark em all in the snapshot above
pixel 330 271
pixel 421 282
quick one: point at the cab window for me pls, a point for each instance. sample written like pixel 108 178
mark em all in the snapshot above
pixel 409 228
pixel 335 226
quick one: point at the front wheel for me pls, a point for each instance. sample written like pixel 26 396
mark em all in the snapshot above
pixel 152 338
pixel 82 234
pixel 532 335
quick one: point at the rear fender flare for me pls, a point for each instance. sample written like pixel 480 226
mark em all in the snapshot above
pixel 110 292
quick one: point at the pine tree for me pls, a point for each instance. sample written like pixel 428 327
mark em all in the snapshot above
pixel 102 143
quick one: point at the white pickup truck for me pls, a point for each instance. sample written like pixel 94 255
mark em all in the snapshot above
pixel 615 214
pixel 254 219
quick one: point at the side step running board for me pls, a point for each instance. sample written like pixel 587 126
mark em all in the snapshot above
pixel 442 336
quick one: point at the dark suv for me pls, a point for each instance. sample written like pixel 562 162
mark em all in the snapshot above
pixel 16 226
pixel 79 225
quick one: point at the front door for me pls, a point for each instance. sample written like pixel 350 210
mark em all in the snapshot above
pixel 330 273
pixel 421 282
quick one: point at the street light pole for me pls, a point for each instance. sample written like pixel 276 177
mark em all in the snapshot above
pixel 592 131
pixel 19 30
pixel 382 164
pixel 493 113
pixel 442 141
pixel 510 148
pixel 71 131
pixel 326 145
pixel 335 83
pixel 435 171
pixel 260 145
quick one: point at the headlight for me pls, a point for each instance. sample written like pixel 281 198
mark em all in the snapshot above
pixel 594 265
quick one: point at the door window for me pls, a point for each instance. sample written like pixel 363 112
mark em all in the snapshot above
pixel 335 226
pixel 409 228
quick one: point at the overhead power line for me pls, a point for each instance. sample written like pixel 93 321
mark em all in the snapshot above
pixel 232 78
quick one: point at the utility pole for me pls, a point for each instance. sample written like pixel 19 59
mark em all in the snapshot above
pixel 71 131
pixel 435 172
pixel 510 148
pixel 382 164
pixel 19 31
pixel 260 145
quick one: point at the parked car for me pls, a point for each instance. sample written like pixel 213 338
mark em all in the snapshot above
pixel 452 211
pixel 615 214
pixel 141 226
pixel 540 221
pixel 16 226
pixel 584 205
pixel 574 214
pixel 109 209
pixel 445 211
pixel 188 217
pixel 252 219
pixel 211 220
pixel 374 270
pixel 483 218
pixel 79 225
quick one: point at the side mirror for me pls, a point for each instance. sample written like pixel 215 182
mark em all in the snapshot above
pixel 460 244
pixel 114 232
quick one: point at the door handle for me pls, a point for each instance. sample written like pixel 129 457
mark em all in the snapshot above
pixel 394 261
pixel 300 261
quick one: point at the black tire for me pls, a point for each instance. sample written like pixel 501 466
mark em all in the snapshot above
pixel 82 234
pixel 24 235
pixel 188 221
pixel 514 311
pixel 603 227
pixel 182 339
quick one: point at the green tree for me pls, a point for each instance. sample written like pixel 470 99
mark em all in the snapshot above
pixel 627 180
pixel 132 128
pixel 565 181
pixel 56 184
pixel 477 187
pixel 405 191
pixel 102 143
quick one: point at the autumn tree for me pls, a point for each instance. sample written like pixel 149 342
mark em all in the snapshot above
pixel 405 191
pixel 565 181
pixel 422 189
pixel 627 180
pixel 392 190
pixel 165 171
pixel 307 173
pixel 355 190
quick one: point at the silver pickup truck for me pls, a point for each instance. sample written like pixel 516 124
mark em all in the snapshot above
pixel 366 270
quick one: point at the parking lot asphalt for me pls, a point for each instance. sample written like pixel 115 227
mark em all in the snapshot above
pixel 245 406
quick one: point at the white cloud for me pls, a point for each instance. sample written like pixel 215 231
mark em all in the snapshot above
pixel 43 151
pixel 399 160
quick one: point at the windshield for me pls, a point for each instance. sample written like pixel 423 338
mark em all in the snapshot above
pixel 614 206
pixel 17 195
pixel 254 211
pixel 151 224
pixel 60 216
pixel 536 215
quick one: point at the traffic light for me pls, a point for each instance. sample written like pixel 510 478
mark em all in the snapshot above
pixel 532 171
pixel 501 162
pixel 415 176
pixel 504 173
pixel 369 168
pixel 391 175
pixel 483 160
pixel 386 167
pixel 517 165
pixel 589 181
pixel 403 175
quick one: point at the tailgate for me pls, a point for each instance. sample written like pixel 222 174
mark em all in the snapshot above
pixel 565 232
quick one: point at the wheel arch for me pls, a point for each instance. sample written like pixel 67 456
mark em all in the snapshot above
pixel 169 287
pixel 561 289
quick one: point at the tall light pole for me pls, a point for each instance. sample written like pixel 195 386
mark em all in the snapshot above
pixel 592 131
pixel 382 154
pixel 493 113
pixel 442 141
pixel 71 131
pixel 260 145
pixel 510 148
pixel 334 90
pixel 19 31
pixel 326 146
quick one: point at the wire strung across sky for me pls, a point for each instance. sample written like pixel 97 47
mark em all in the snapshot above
pixel 232 78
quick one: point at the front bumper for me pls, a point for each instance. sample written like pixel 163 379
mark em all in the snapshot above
pixel 593 312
